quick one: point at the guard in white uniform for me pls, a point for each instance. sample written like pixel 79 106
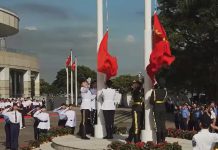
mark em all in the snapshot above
pixel 7 130
pixel 62 117
pixel 15 119
pixel 108 108
pixel 44 120
pixel 71 118
pixel 85 109
pixel 204 140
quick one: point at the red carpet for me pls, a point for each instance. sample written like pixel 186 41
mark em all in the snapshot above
pixel 28 117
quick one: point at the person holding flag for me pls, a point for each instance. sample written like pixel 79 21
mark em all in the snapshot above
pixel 160 58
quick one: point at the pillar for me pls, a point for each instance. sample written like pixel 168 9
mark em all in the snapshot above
pixel 27 84
pixel 37 85
pixel 4 83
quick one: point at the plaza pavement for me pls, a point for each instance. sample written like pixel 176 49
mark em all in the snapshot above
pixel 122 119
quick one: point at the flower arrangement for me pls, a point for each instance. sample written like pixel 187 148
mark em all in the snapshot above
pixel 176 133
pixel 144 146
pixel 44 138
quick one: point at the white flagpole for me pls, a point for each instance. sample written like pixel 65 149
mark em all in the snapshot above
pixel 76 92
pixel 148 134
pixel 71 76
pixel 99 128
pixel 67 102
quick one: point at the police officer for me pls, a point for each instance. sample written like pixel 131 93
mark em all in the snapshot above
pixel 108 107
pixel 7 130
pixel 137 112
pixel 62 117
pixel 158 99
pixel 44 120
pixel 71 118
pixel 85 109
pixel 204 140
pixel 15 119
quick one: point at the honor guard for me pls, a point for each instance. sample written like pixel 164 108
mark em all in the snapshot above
pixel 44 120
pixel 85 109
pixel 62 117
pixel 137 112
pixel 71 118
pixel 108 107
pixel 93 115
pixel 15 119
pixel 158 99
pixel 204 140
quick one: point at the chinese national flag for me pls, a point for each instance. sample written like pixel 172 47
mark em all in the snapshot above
pixel 68 60
pixel 161 55
pixel 107 64
pixel 73 67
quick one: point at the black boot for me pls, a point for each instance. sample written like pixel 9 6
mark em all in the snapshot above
pixel 83 133
pixel 110 134
pixel 158 137
pixel 136 138
pixel 107 132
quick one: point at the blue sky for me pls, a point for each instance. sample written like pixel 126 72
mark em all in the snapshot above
pixel 49 28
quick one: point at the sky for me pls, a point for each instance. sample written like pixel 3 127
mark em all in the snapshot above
pixel 50 28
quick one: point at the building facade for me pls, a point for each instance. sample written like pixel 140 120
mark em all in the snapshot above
pixel 19 72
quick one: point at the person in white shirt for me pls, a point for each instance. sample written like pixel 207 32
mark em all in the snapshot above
pixel 71 118
pixel 108 108
pixel 44 120
pixel 85 109
pixel 204 140
pixel 15 119
pixel 62 117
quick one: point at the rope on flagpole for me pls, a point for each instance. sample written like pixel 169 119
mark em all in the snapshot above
pixel 107 15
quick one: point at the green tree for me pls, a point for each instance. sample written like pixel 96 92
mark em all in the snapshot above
pixel 123 83
pixel 44 87
pixel 192 28
pixel 59 84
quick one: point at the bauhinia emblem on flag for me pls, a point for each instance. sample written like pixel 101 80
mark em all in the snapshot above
pixel 107 64
pixel 161 55
pixel 68 60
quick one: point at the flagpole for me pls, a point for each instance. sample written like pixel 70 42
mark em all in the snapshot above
pixel 76 92
pixel 71 76
pixel 67 102
pixel 148 134
pixel 99 127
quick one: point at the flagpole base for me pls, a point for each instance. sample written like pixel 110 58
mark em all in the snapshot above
pixel 148 135
pixel 100 131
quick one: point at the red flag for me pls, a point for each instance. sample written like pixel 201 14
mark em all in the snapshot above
pixel 68 60
pixel 106 63
pixel 161 55
pixel 73 67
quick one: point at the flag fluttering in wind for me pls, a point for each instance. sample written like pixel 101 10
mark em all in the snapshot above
pixel 73 67
pixel 161 55
pixel 107 64
pixel 68 60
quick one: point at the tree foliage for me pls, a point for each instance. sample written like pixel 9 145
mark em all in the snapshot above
pixel 192 28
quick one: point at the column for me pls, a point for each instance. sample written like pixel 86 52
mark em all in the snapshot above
pixel 27 84
pixel 4 82
pixel 37 85
pixel 15 83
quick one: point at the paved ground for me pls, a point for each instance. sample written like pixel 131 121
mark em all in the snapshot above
pixel 122 119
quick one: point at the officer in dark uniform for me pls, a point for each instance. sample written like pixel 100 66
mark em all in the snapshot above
pixel 158 99
pixel 137 112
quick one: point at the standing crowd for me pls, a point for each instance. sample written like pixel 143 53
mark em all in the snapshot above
pixel 187 117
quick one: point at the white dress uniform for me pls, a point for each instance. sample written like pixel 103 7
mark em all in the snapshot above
pixel 108 108
pixel 86 98
pixel 71 118
pixel 204 140
pixel 14 118
pixel 44 120
pixel 108 96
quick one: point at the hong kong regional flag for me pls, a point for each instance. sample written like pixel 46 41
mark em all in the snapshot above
pixel 68 60
pixel 161 55
pixel 107 64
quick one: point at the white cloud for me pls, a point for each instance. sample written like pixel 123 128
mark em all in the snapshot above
pixel 31 28
pixel 130 38
pixel 88 35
